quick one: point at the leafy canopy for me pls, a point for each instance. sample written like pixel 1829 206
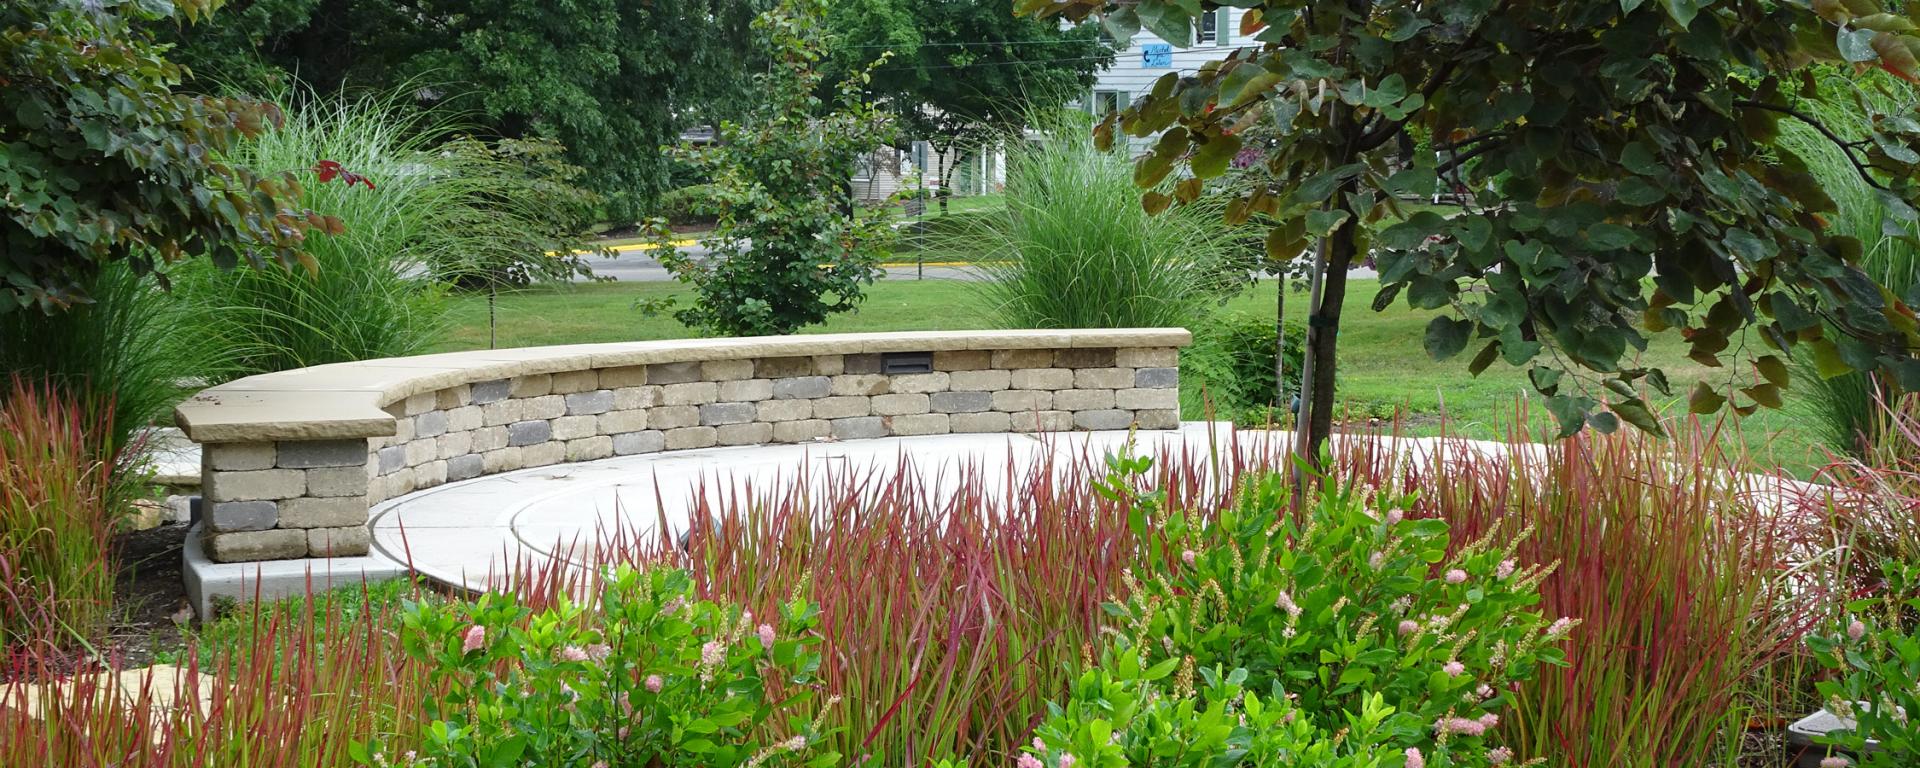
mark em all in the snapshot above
pixel 1622 166
pixel 100 160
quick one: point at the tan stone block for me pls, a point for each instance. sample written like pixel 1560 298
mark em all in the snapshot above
pixel 938 381
pixel 1083 399
pixel 841 407
pixel 504 412
pixel 575 427
pixel 402 431
pixel 1041 421
pixel 545 454
pixel 988 421
pixel 421 403
pixel 783 367
pixel 980 380
pixel 422 451
pixel 545 407
pixel 900 405
pixel 1042 378
pixel 746 390
pixel 1022 358
pixel 1141 399
pixel 254 485
pixel 801 431
pixel 628 376
pixel 255 546
pixel 1147 357
pixel 962 360
pixel 452 397
pixel 686 438
pixel 673 416
pixel 1016 400
pixel 454 444
pixel 1103 378
pixel 829 365
pixel 350 541
pixel 501 460
pixel 239 456
pixel 463 418
pixel 590 448
pixel 630 398
pixel 1159 418
pixel 1084 358
pixel 726 370
pixel 337 481
pixel 431 474
pixel 690 393
pixel 569 382
pixel 617 422
pixel 751 433
pixel 919 424
pixel 533 385
pixel 785 410
pixel 853 384
pixel 323 513
pixel 489 439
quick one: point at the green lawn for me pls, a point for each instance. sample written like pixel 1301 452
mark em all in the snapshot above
pixel 1382 364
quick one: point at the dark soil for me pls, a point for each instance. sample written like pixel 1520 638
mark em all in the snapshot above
pixel 150 597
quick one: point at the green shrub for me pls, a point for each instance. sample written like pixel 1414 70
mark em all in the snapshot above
pixel 687 205
pixel 1228 371
pixel 1873 660
pixel 56 575
pixel 648 675
pixel 1075 249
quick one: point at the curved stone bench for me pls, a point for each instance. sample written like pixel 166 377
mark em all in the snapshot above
pixel 292 460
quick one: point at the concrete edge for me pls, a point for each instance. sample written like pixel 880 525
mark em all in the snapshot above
pixel 208 581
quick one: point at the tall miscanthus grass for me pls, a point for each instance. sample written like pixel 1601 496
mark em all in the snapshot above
pixel 1075 249
pixel 1679 563
pixel 56 520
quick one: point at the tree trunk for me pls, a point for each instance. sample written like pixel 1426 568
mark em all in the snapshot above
pixel 1323 337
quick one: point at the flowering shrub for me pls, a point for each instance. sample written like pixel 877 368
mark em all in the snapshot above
pixel 1342 604
pixel 647 676
pixel 1877 657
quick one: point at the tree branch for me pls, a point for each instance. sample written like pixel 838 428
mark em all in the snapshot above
pixel 1846 148
pixel 1462 158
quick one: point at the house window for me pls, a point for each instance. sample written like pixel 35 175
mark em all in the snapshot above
pixel 1108 102
pixel 1212 28
pixel 863 167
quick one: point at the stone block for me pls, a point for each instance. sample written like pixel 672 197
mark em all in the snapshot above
pixel 626 376
pixel 256 485
pixel 503 460
pixel 841 407
pixel 488 439
pixel 337 481
pixel 920 424
pixel 989 380
pixel 622 422
pixel 250 546
pixel 802 387
pixel 573 382
pixel 1041 378
pixel 591 403
pixel 716 414
pixel 629 398
pixel 533 385
pixel 1142 399
pixel 1084 358
pixel 227 516
pixel 393 459
pixel 858 428
pixel 524 433
pixel 543 455
pixel 785 410
pixel 783 367
pixel 402 431
pixel 829 365
pixel 745 390
pixel 962 360
pixel 430 424
pixel 503 413
pixel 1042 421
pixel 751 433
pixel 726 370
pixel 589 448
pixel 801 431
pixel 1083 399
pixel 866 363
pixel 690 393
pixel 686 438
pixel 1157 418
pixel 239 456
pixel 673 417
pixel 491 391
pixel 900 405
pixel 1010 359
pixel 648 441
pixel 961 402
pixel 981 422
pixel 422 451
pixel 859 384
pixel 673 373
pixel 544 407
pixel 1156 378
pixel 464 467
pixel 938 381
pixel 1016 400
pixel 324 513
pixel 1147 357
pixel 1103 378
pixel 452 397
pixel 307 454
pixel 348 541
pixel 1103 419
pixel 420 403
pixel 463 418
pixel 575 427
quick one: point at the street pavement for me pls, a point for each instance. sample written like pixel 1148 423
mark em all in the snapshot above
pixel 637 265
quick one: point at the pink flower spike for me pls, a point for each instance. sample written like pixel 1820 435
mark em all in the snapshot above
pixel 1489 720
pixel 1455 668
pixel 766 636
pixel 1394 516
pixel 1856 630
pixel 599 651
pixel 1505 569
pixel 573 653
pixel 1028 761
pixel 1407 626
pixel 1835 761
pixel 1415 759
pixel 1499 756
pixel 474 639
pixel 1456 576
pixel 1066 760
pixel 1188 556
pixel 654 683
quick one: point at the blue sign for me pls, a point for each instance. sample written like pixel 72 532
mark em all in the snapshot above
pixel 1156 55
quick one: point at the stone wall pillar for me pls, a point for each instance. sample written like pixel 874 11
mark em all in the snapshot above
pixel 284 500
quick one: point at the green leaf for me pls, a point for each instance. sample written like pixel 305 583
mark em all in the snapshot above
pixel 1683 11
pixel 1773 369
pixel 1168 20
pixel 1635 412
pixel 1705 399
pixel 1446 336
pixel 1856 45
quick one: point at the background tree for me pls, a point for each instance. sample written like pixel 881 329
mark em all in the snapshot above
pixel 1625 176
pixel 787 250
pixel 612 80
pixel 101 161
pixel 965 72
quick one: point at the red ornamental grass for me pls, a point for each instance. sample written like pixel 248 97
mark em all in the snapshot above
pixel 56 527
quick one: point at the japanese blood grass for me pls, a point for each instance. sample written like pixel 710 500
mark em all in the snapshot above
pixel 955 604
pixel 1677 563
pixel 56 520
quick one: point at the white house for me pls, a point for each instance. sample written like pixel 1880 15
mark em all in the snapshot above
pixel 1147 57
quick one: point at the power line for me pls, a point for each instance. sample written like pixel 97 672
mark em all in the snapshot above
pixel 980 43
pixel 1026 62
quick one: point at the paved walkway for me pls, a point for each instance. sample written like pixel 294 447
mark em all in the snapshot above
pixel 460 534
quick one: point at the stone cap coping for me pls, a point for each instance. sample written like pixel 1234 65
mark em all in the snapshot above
pixel 349 400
